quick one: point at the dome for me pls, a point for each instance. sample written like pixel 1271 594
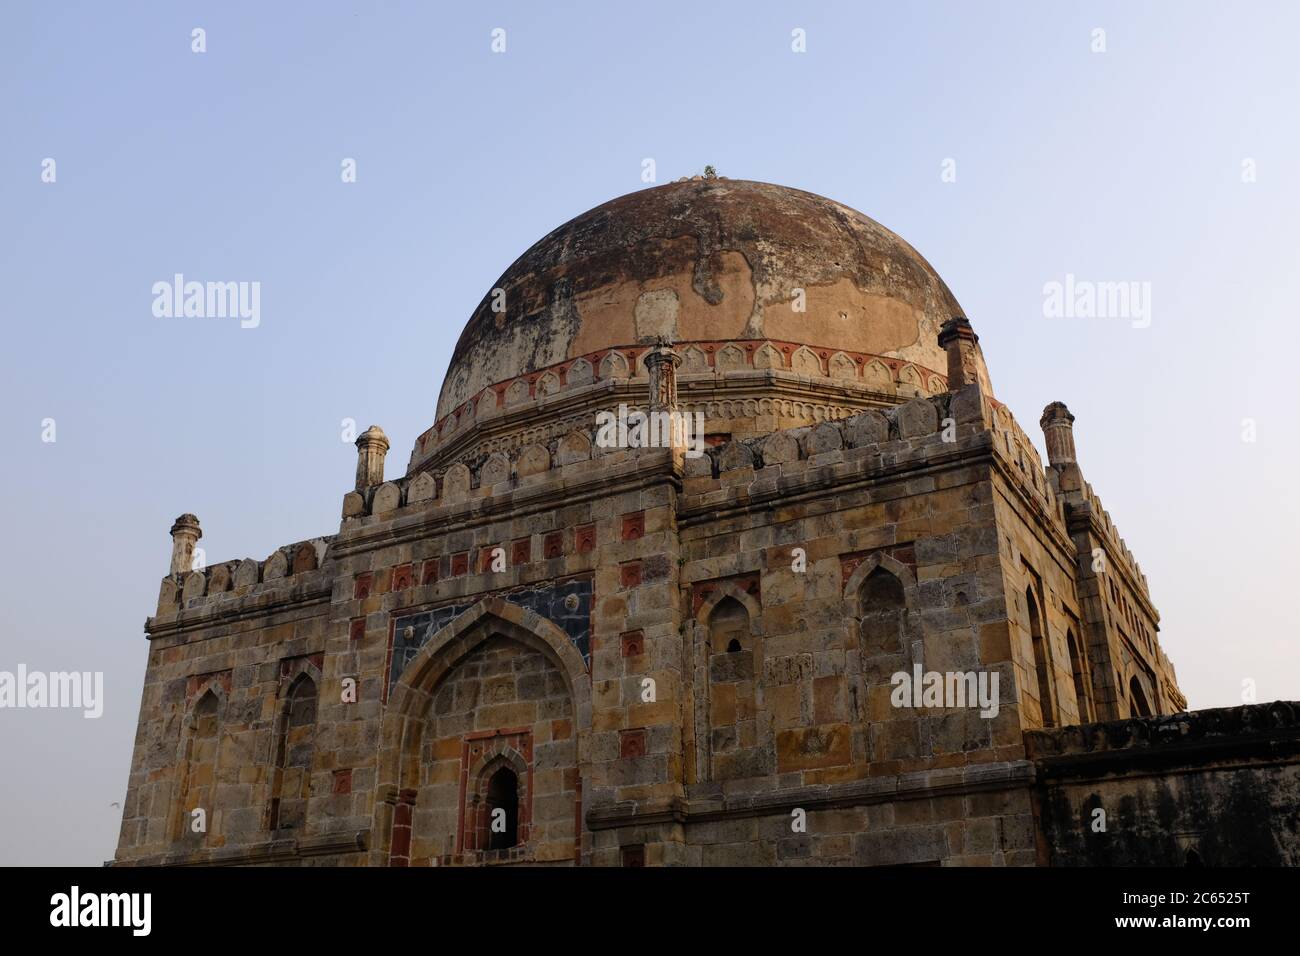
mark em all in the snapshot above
pixel 715 262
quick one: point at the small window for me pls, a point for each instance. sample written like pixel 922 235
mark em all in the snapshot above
pixel 729 627
pixel 503 810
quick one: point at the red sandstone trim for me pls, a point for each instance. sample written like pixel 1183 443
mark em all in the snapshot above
pixel 633 353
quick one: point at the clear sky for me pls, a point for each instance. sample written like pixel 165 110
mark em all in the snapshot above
pixel 1172 158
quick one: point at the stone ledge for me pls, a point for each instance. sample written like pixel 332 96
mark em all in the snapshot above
pixel 271 851
pixel 910 786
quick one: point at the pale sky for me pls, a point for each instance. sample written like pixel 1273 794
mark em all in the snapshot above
pixel 1172 158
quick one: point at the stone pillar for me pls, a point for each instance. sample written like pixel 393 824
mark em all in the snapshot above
pixel 372 446
pixel 662 363
pixel 1058 433
pixel 185 534
pixel 668 427
pixel 965 358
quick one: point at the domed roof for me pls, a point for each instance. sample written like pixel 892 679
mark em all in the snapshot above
pixel 705 260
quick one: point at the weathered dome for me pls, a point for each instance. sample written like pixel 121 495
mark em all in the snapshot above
pixel 707 261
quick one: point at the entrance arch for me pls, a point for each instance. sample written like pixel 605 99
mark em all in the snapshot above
pixel 404 737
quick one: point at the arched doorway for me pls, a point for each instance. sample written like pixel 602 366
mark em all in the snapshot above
pixel 485 694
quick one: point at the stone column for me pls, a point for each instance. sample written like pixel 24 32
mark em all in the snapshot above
pixel 965 358
pixel 669 428
pixel 662 363
pixel 1058 433
pixel 372 446
pixel 185 534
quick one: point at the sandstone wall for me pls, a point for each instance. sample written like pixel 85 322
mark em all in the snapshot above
pixel 1209 788
pixel 675 658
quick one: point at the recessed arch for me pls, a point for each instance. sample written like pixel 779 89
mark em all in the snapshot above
pixel 295 748
pixel 725 590
pixel 727 703
pixel 1078 670
pixel 411 698
pixel 1138 703
pixel 1042 658
pixel 197 763
pixel 882 616
pixel 853 586
pixel 729 624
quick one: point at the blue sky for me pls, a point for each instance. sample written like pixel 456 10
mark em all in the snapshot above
pixel 1125 165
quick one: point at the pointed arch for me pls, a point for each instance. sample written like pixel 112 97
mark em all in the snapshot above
pixel 196 764
pixel 806 361
pixel 548 384
pixel 728 731
pixel 730 589
pixel 294 748
pixel 614 365
pixel 883 624
pixel 1042 658
pixel 1139 706
pixel 485 795
pixel 729 630
pixel 579 373
pixel 1079 671
pixel 882 630
pixel 877 376
pixel 853 586
pixel 768 356
pixel 410 701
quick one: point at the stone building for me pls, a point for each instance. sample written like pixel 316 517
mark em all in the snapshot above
pixel 539 645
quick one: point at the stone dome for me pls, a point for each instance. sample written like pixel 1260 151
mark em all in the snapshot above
pixel 715 262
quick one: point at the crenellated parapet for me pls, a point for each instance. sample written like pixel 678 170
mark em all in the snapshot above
pixel 873 440
pixel 1066 479
pixel 1024 464
pixel 208 586
pixel 1089 504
